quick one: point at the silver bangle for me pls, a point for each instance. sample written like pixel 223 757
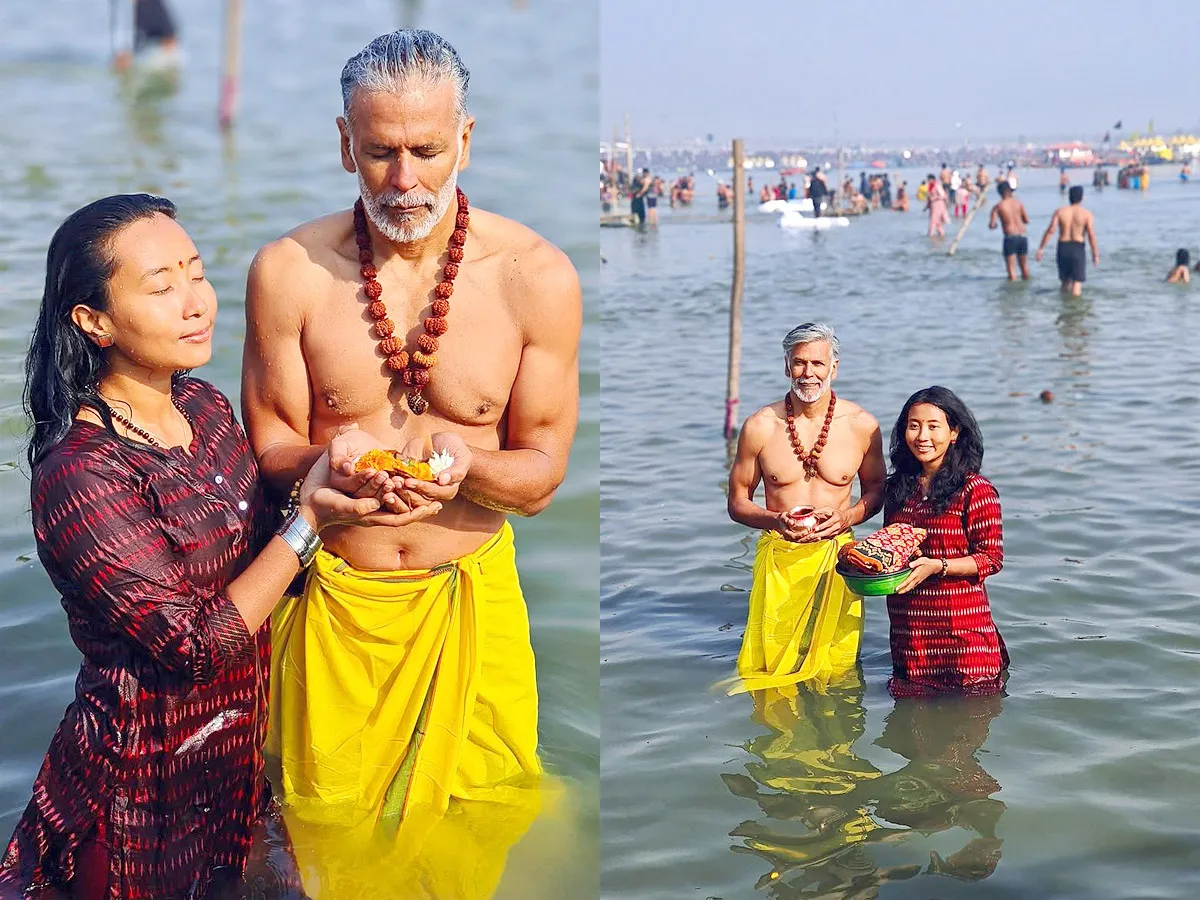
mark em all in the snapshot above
pixel 301 537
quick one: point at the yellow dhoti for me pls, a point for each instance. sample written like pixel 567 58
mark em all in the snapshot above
pixel 393 690
pixel 803 623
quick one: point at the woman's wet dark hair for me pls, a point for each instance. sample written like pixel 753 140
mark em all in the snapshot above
pixel 1182 257
pixel 64 366
pixel 963 457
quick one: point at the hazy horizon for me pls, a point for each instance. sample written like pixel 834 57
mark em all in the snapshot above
pixel 860 74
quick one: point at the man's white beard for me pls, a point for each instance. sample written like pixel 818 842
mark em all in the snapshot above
pixel 809 393
pixel 414 228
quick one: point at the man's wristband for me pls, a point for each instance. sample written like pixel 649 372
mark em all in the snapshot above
pixel 301 537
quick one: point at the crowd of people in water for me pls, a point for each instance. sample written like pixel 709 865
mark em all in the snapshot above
pixel 946 195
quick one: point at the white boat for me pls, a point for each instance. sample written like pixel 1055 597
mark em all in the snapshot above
pixel 774 206
pixel 792 219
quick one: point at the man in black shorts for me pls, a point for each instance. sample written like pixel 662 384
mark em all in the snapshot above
pixel 817 189
pixel 651 199
pixel 1011 216
pixel 1074 225
pixel 637 196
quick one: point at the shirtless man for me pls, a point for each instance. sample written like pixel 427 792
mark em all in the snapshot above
pixel 1011 215
pixel 982 178
pixel 387 611
pixel 817 191
pixel 807 515
pixel 1074 224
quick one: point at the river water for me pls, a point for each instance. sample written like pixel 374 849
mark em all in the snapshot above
pixel 1074 785
pixel 76 132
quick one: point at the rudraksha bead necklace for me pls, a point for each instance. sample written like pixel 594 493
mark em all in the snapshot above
pixel 413 367
pixel 809 460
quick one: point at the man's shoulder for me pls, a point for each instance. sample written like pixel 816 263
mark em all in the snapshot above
pixel 509 237
pixel 528 262
pixel 764 419
pixel 761 424
pixel 311 244
pixel 859 418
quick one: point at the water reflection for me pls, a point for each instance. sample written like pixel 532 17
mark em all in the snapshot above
pixel 461 854
pixel 1074 330
pixel 823 805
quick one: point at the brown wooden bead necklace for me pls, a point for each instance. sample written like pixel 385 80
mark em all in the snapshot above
pixel 413 367
pixel 809 460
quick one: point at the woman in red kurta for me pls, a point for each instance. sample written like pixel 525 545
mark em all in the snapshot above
pixel 942 634
pixel 151 522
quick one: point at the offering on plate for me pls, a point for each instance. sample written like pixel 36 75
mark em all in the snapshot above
pixel 886 551
pixel 395 463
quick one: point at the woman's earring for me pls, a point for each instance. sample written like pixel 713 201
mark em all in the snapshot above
pixel 104 339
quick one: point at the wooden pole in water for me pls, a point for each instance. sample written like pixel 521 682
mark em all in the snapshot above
pixel 229 67
pixel 735 295
pixel 628 151
pixel 978 206
pixel 123 39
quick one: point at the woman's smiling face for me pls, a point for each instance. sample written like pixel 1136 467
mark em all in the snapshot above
pixel 928 435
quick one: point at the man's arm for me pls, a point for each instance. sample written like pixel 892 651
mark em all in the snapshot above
pixel 1091 236
pixel 745 476
pixel 872 476
pixel 1024 214
pixel 1046 237
pixel 992 218
pixel 275 391
pixel 543 407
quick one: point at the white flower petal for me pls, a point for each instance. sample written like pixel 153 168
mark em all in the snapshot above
pixel 440 461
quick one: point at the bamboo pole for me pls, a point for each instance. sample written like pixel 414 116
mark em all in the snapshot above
pixel 231 63
pixel 123 39
pixel 612 156
pixel 978 206
pixel 735 296
pixel 628 151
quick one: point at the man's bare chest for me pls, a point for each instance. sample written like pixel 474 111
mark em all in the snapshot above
pixel 837 464
pixel 476 359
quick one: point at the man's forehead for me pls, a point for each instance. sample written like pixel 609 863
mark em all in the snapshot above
pixel 413 101
pixel 821 348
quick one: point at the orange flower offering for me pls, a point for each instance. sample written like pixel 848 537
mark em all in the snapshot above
pixel 394 463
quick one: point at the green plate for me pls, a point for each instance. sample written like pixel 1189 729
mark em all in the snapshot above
pixel 872 585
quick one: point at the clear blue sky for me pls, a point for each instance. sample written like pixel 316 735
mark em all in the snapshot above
pixel 770 70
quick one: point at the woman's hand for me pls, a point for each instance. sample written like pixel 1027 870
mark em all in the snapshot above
pixel 921 568
pixel 323 505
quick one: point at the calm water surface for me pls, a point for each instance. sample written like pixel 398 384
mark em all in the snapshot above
pixel 76 132
pixel 1074 785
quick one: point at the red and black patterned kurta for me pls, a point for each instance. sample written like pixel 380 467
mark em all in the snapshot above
pixel 161 749
pixel 942 635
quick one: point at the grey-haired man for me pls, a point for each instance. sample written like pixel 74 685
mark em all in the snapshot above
pixel 403 676
pixel 806 451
